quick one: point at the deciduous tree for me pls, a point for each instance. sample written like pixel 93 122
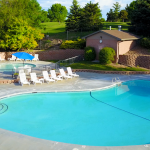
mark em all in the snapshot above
pixel 19 35
pixel 57 13
pixel 123 15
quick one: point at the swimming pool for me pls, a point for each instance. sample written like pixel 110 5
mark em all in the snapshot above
pixel 113 117
pixel 10 66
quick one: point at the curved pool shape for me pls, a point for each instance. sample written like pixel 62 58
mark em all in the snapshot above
pixel 10 66
pixel 117 116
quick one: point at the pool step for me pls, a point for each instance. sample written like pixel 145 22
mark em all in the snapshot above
pixel 3 108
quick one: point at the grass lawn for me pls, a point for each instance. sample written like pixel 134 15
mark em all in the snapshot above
pixel 57 31
pixel 97 66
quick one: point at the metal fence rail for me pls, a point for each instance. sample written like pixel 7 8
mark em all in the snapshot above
pixel 66 62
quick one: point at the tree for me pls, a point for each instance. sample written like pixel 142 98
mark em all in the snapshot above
pixel 140 17
pixel 130 8
pixel 29 10
pixel 44 17
pixel 73 21
pixel 123 15
pixel 116 7
pixel 14 32
pixel 111 16
pixel 91 17
pixel 19 35
pixel 57 13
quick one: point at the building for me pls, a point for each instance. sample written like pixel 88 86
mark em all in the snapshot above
pixel 120 41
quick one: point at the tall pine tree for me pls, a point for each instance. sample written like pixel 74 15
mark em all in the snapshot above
pixel 73 21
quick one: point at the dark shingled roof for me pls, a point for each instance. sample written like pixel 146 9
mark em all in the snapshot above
pixel 119 35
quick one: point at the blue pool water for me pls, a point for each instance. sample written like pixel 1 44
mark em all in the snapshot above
pixel 7 67
pixel 114 117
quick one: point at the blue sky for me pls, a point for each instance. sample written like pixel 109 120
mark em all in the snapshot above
pixel 105 5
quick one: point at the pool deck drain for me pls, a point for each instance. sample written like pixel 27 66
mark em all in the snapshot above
pixel 86 82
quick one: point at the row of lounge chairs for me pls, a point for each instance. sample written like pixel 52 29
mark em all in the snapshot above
pixel 46 76
pixel 14 58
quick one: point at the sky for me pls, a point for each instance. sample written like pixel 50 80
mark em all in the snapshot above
pixel 105 5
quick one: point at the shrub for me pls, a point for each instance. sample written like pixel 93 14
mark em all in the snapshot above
pixel 106 55
pixel 69 44
pixel 145 42
pixel 89 53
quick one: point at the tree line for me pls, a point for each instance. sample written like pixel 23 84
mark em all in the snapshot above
pixel 20 19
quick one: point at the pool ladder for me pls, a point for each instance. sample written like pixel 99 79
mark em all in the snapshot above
pixel 116 81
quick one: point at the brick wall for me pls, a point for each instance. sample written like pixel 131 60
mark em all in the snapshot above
pixel 135 60
pixel 50 55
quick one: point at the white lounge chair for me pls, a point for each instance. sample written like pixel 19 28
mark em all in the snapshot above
pixel 1 59
pixel 12 58
pixel 36 57
pixel 63 74
pixel 47 78
pixel 70 73
pixel 34 78
pixel 53 76
pixel 23 79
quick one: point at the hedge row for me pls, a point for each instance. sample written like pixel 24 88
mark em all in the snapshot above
pixel 69 44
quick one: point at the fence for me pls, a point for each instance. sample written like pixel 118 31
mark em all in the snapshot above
pixel 68 61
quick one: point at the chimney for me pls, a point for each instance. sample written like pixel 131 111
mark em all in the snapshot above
pixel 119 28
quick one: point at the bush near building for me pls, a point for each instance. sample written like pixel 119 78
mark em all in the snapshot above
pixel 89 53
pixel 145 42
pixel 106 55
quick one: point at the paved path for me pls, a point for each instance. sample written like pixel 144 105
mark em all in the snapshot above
pixel 87 81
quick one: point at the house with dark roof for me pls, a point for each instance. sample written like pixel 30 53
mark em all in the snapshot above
pixel 120 41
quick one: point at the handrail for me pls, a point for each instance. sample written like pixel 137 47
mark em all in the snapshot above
pixel 68 61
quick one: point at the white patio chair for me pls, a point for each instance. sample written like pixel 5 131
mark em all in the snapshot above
pixel 70 73
pixel 1 59
pixel 21 71
pixel 12 58
pixel 36 57
pixel 34 78
pixel 47 78
pixel 63 74
pixel 23 79
pixel 53 76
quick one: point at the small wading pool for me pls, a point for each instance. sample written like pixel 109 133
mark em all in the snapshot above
pixel 117 116
pixel 10 66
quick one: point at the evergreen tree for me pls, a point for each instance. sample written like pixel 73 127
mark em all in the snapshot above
pixel 91 17
pixel 111 16
pixel 73 21
pixel 140 17
pixel 57 13
pixel 130 8
pixel 116 7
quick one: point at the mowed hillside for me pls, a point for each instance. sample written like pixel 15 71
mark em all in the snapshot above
pixel 57 30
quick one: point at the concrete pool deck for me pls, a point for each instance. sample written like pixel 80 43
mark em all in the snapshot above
pixel 86 82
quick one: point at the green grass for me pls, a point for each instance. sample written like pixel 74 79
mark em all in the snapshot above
pixel 114 25
pixel 56 30
pixel 97 66
pixel 53 61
